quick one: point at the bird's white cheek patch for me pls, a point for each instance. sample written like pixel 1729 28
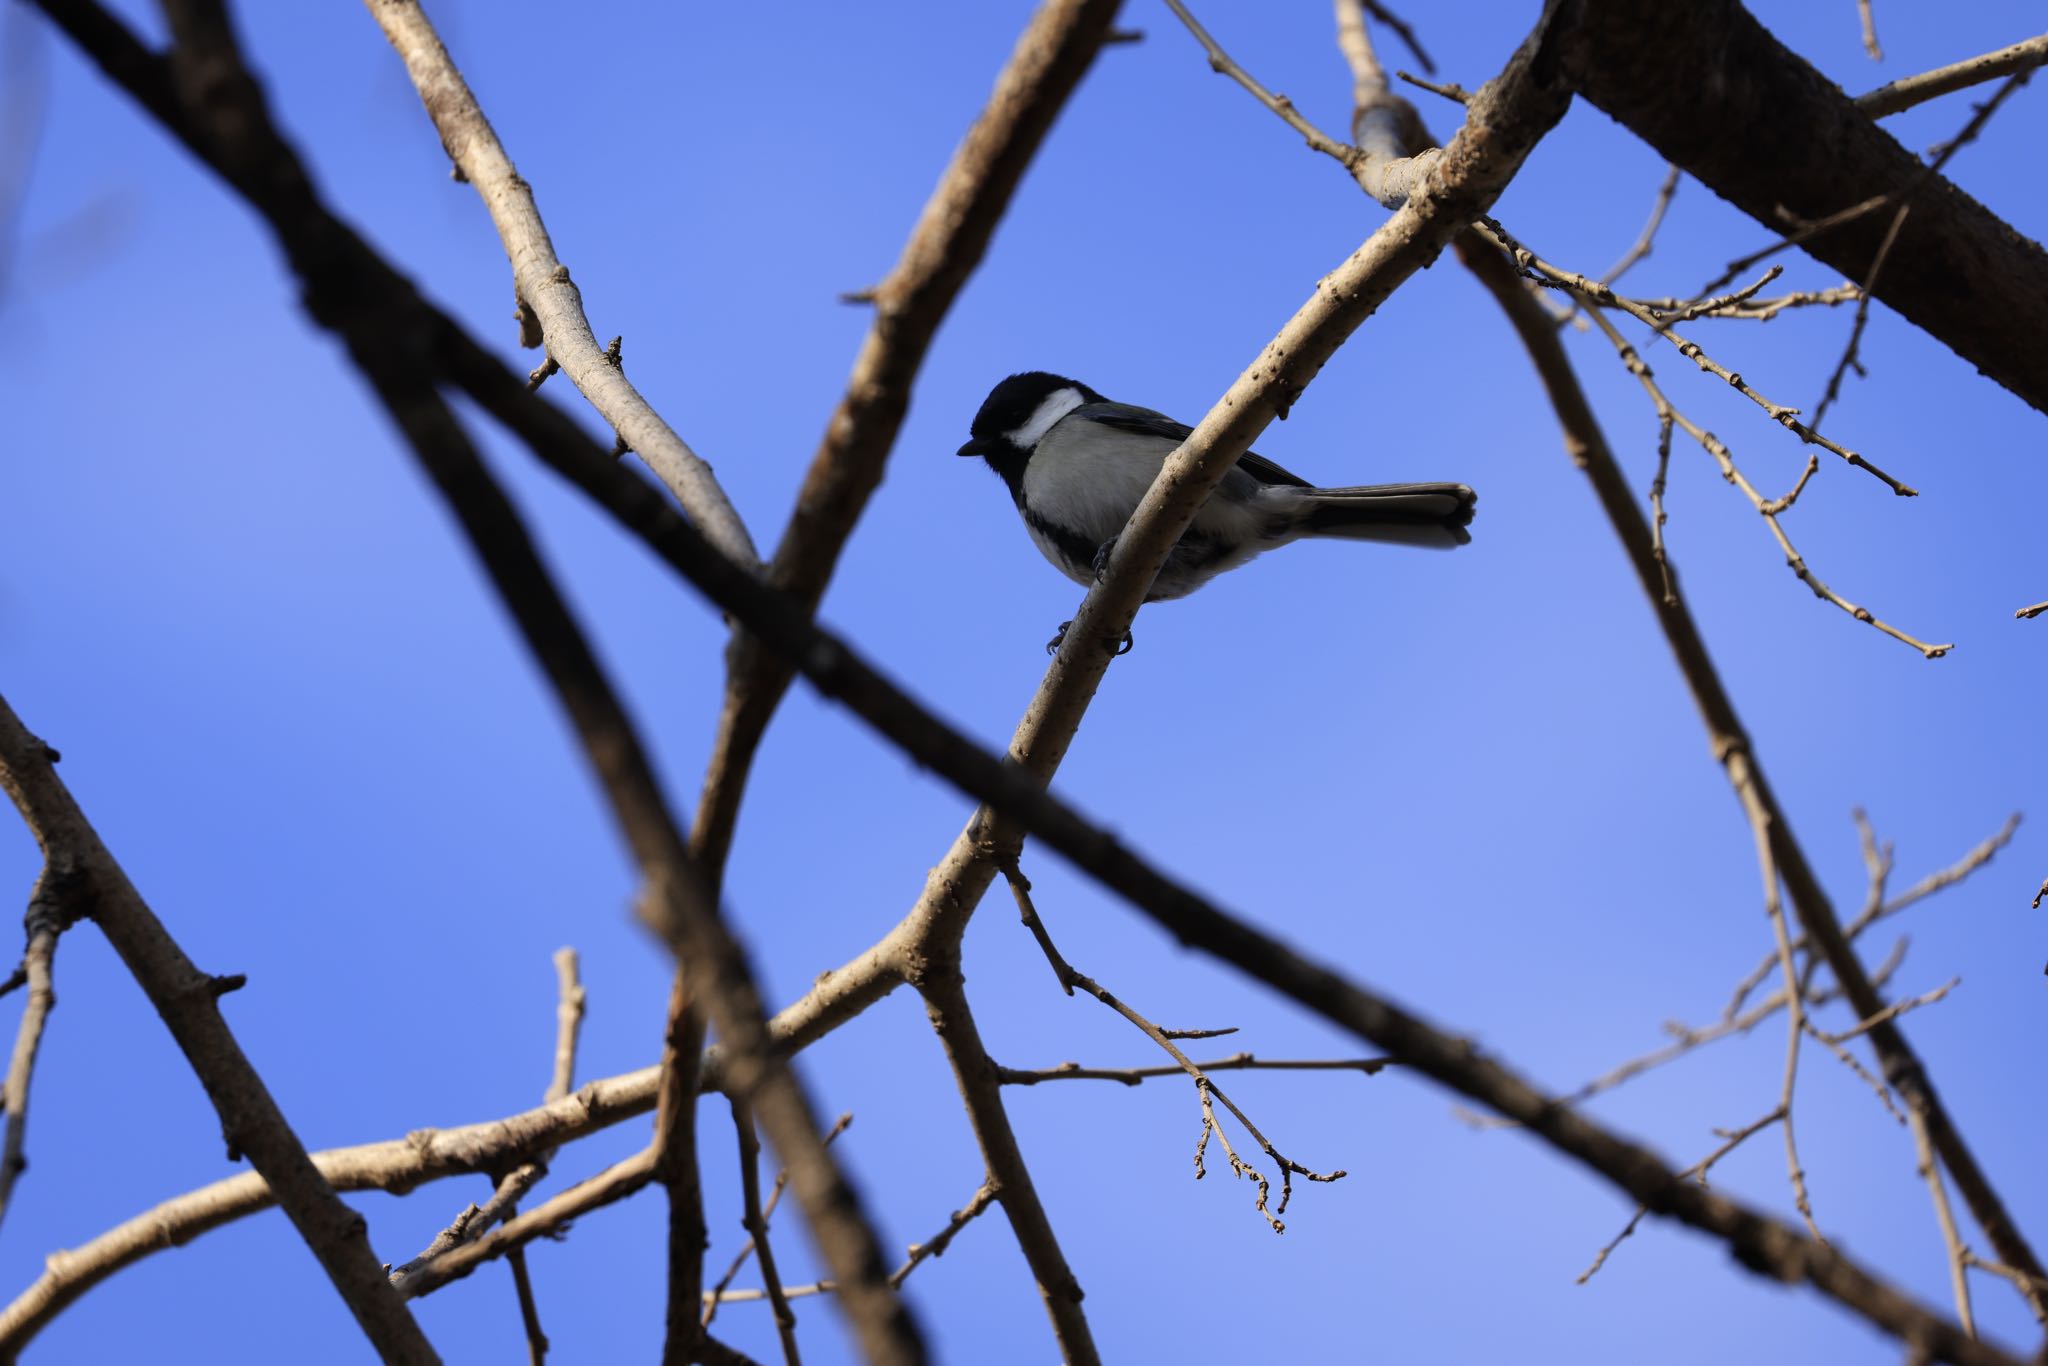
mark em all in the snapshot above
pixel 1051 409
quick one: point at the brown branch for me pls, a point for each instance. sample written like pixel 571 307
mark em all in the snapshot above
pixel 716 1293
pixel 1850 351
pixel 1533 266
pixel 1760 1241
pixel 1236 1062
pixel 352 292
pixel 1958 272
pixel 1951 1239
pixel 2029 613
pixel 919 1253
pixel 1908 91
pixel 400 1165
pixel 570 1001
pixel 1593 291
pixel 44 922
pixel 1052 55
pixel 543 282
pixel 544 1220
pixel 1868 19
pixel 475 1220
pixel 675 1144
pixel 757 1230
pixel 1730 742
pixel 188 1000
pixel 1205 1089
pixel 943 987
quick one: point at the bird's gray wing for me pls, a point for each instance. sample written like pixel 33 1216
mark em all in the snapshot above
pixel 1130 418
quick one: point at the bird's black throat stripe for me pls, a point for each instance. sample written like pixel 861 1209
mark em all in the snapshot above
pixel 1076 549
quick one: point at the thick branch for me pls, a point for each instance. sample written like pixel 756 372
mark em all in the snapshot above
pixel 1714 92
pixel 189 1002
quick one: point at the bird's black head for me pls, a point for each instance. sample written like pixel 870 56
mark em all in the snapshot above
pixel 1019 411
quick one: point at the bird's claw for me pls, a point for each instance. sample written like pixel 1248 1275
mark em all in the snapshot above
pixel 1101 562
pixel 1115 647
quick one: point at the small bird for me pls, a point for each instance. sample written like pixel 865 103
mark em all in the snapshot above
pixel 1077 465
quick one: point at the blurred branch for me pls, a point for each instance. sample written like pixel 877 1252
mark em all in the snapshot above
pixel 543 282
pixel 390 336
pixel 1053 53
pixel 44 922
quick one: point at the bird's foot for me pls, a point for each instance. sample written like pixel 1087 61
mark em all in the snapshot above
pixel 1101 562
pixel 1115 647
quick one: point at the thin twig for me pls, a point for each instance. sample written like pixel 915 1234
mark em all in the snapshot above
pixel 713 1295
pixel 1536 268
pixel 757 1229
pixel 1401 31
pixel 1236 1062
pixel 545 1220
pixel 1869 21
pixel 1951 1239
pixel 2029 613
pixel 1588 445
pixel 1205 1088
pixel 44 922
pixel 1450 90
pixel 935 1246
pixel 1768 509
pixel 1908 91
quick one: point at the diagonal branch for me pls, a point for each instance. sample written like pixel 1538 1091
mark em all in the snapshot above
pixel 45 921
pixel 350 291
pixel 1052 55
pixel 1903 94
pixel 1958 271
pixel 189 1002
pixel 543 282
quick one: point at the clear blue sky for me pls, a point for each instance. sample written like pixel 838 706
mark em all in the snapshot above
pixel 1475 780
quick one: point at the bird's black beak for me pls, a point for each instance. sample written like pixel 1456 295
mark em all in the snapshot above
pixel 981 445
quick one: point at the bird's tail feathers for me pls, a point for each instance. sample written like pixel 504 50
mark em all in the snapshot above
pixel 1434 515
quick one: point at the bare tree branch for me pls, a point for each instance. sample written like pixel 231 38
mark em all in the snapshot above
pixel 543 282
pixel 1958 272
pixel 1908 91
pixel 1052 55
pixel 351 291
pixel 1133 1076
pixel 189 1002
pixel 716 1293
pixel 1589 450
pixel 44 922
